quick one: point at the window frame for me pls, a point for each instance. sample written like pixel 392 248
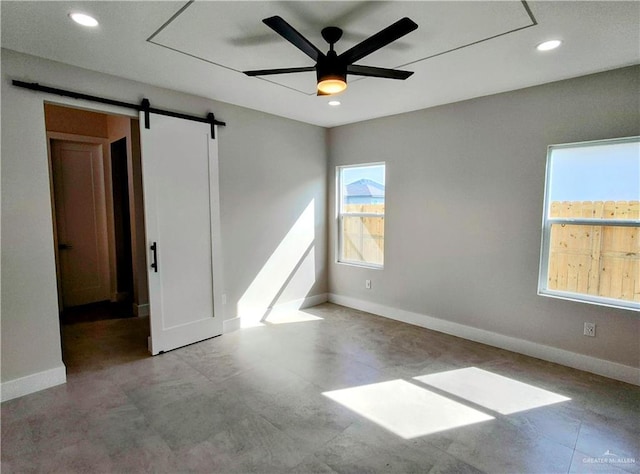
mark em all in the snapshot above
pixel 340 217
pixel 547 222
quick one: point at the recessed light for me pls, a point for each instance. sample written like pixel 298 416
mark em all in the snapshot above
pixel 548 45
pixel 83 19
pixel 334 103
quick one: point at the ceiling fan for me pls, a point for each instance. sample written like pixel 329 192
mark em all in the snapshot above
pixel 331 68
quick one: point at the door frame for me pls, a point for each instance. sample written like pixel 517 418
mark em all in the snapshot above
pixel 80 104
pixel 108 191
pixel 125 112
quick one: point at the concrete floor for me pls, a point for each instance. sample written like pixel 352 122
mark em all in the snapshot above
pixel 275 399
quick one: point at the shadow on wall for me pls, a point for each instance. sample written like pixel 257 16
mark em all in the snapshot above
pixel 292 263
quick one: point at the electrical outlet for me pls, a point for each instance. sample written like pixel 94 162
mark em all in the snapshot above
pixel 590 329
pixel 367 284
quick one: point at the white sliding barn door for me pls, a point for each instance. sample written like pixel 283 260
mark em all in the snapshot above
pixel 180 182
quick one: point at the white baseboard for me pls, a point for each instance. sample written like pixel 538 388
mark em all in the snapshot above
pixel 32 383
pixel 230 325
pixel 587 363
pixel 300 303
pixel 254 315
pixel 141 310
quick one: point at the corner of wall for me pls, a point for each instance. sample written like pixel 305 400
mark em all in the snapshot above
pixel 235 323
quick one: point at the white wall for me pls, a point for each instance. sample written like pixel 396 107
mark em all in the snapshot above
pixel 270 170
pixel 465 186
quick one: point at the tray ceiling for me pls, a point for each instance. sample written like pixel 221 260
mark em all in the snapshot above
pixel 233 35
pixel 461 50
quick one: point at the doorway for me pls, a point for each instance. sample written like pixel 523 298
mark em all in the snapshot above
pixel 122 221
pixel 97 210
pixel 81 222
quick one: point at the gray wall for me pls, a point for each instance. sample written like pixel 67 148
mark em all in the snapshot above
pixel 464 181
pixel 464 201
pixel 270 170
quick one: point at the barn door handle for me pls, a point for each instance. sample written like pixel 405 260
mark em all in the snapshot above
pixel 154 249
pixel 65 246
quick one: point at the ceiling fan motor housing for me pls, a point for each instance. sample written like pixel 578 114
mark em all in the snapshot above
pixel 331 67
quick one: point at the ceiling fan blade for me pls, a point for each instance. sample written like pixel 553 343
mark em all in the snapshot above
pixel 289 33
pixel 288 70
pixel 378 72
pixel 379 40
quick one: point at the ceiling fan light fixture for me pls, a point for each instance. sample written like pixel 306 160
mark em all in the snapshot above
pixel 332 84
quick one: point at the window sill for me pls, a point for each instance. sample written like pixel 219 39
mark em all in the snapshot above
pixel 370 266
pixel 589 299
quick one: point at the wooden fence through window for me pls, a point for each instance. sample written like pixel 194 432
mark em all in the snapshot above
pixel 363 237
pixel 601 260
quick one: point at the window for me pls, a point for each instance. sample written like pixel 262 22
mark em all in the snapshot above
pixel 361 214
pixel 591 224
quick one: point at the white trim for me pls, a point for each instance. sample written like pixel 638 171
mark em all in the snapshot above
pixel 591 299
pixel 587 363
pixel 300 303
pixel 88 105
pixel 230 325
pixel 340 214
pixel 33 383
pixel 234 324
pixel 545 241
pixel 368 266
pixel 74 137
pixel 141 310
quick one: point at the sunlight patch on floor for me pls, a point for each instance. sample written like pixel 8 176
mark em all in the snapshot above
pixel 495 392
pixel 405 409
